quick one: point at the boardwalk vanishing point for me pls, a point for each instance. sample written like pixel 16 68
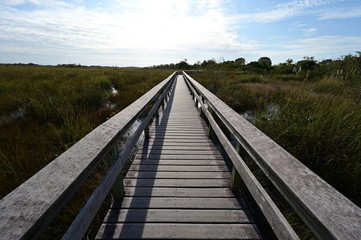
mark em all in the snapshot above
pixel 178 184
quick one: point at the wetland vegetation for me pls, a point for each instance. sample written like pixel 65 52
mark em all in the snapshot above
pixel 311 108
pixel 46 109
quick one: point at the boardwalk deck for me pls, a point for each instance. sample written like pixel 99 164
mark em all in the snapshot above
pixel 178 184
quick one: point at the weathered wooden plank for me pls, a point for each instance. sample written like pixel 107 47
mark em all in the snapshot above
pixel 178 192
pixel 179 152
pixel 177 216
pixel 190 122
pixel 179 146
pixel 180 203
pixel 173 133
pixel 178 133
pixel 166 127
pixel 178 127
pixel 178 231
pixel 161 137
pixel 177 175
pixel 175 168
pixel 159 182
pixel 179 157
pixel 166 142
pixel 179 162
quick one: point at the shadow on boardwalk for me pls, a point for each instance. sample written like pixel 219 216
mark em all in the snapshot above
pixel 155 153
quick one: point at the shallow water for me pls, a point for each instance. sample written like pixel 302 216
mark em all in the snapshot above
pixel 19 113
pixel 272 110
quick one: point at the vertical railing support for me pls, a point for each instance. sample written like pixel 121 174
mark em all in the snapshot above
pixel 146 132
pixel 202 114
pixel 163 103
pixel 211 133
pixel 118 186
pixel 236 181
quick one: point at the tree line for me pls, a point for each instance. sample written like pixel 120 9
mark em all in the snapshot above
pixel 345 67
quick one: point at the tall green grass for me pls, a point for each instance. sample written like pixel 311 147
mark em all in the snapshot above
pixel 318 122
pixel 61 105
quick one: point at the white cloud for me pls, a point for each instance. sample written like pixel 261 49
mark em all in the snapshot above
pixel 143 32
pixel 325 9
pixel 13 2
pixel 342 13
pixel 283 11
pixel 130 28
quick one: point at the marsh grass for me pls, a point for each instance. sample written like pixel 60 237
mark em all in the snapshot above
pixel 61 105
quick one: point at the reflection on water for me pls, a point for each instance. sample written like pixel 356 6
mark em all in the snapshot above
pixel 19 113
pixel 110 105
pixel 272 110
pixel 250 116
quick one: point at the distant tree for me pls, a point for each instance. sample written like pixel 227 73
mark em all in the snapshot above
pixel 183 64
pixel 254 67
pixel 227 65
pixel 239 62
pixel 265 62
pixel 308 63
pixel 326 62
pixel 289 61
pixel 283 68
pixel 208 63
pixel 196 65
pixel 254 64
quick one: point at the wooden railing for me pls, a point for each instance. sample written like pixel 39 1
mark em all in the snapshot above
pixel 328 213
pixel 25 212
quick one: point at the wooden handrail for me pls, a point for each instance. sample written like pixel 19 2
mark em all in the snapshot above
pixel 277 221
pixel 328 213
pixel 26 211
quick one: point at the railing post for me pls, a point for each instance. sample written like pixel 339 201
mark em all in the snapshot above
pixel 236 181
pixel 146 132
pixel 118 186
pixel 211 133
pixel 163 103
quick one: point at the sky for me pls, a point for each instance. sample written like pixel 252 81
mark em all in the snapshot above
pixel 151 32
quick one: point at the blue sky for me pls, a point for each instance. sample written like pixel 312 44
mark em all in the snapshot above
pixel 150 32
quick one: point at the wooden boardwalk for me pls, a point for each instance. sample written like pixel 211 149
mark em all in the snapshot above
pixel 178 184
